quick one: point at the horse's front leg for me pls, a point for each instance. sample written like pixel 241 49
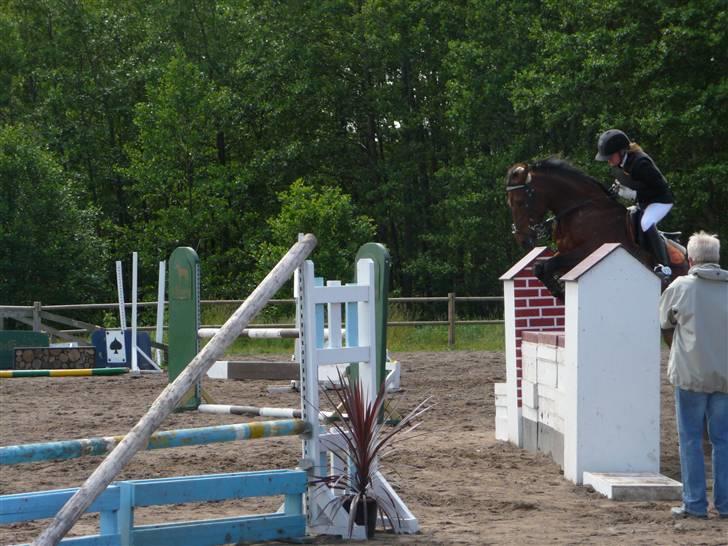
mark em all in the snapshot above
pixel 549 271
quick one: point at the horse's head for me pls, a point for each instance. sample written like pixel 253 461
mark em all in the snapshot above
pixel 527 209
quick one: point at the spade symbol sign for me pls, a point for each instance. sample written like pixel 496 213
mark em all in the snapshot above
pixel 115 347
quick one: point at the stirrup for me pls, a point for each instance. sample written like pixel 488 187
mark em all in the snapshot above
pixel 663 271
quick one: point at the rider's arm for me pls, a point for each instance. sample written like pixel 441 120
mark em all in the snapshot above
pixel 645 172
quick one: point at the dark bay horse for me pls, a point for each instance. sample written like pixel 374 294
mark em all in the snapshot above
pixel 585 216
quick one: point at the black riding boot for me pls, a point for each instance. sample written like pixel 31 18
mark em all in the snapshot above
pixel 658 250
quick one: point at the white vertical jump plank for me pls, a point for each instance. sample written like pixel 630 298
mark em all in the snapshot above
pixel 134 278
pixel 334 312
pixel 159 334
pixel 309 378
pixel 367 328
pixel 120 291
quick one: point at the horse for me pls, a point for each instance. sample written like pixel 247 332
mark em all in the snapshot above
pixel 585 216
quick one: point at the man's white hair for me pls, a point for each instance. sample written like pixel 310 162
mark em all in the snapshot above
pixel 704 248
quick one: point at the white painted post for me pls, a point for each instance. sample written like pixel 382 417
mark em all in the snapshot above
pixel 515 432
pixel 367 328
pixel 612 366
pixel 120 291
pixel 134 359
pixel 159 334
pixel 311 448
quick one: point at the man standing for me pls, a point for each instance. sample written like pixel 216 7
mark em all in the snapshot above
pixel 694 319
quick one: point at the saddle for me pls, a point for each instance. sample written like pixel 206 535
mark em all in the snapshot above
pixel 671 239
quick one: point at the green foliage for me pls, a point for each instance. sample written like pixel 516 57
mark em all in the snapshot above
pixel 49 246
pixel 182 123
pixel 326 212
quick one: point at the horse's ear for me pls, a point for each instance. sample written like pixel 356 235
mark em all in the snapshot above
pixel 518 173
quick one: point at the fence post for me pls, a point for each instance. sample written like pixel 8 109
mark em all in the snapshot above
pixel 451 319
pixel 37 308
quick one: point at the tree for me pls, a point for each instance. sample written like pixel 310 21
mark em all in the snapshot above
pixel 50 251
pixel 330 216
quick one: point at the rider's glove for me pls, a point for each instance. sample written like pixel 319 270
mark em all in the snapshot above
pixel 623 191
pixel 627 193
pixel 614 189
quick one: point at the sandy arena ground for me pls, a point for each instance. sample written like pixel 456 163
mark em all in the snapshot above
pixel 464 487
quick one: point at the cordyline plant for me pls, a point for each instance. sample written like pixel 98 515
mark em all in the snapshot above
pixel 366 438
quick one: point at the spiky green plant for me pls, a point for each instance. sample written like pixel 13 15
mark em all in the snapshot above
pixel 366 438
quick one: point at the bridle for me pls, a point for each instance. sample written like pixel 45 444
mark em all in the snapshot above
pixel 541 229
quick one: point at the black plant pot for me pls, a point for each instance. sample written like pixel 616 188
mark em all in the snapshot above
pixel 366 513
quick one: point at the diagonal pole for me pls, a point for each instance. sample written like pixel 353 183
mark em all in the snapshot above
pixel 138 437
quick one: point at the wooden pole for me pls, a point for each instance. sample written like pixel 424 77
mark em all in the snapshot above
pixel 37 309
pixel 138 437
pixel 451 319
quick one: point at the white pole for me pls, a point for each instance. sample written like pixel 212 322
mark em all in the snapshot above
pixel 160 311
pixel 167 401
pixel 134 358
pixel 120 290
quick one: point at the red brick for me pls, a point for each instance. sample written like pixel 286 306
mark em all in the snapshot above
pixel 552 311
pixel 534 282
pixel 545 293
pixel 521 323
pixel 542 322
pixel 541 302
pixel 520 302
pixel 527 293
pixel 549 338
pixel 527 312
pixel 520 283
pixel 560 321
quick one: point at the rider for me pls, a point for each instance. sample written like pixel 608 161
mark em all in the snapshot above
pixel 638 177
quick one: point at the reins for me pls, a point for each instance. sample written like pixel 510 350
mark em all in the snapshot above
pixel 542 228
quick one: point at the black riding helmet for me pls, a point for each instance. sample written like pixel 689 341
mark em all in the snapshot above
pixel 611 141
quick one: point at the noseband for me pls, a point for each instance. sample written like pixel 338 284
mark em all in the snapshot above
pixel 541 229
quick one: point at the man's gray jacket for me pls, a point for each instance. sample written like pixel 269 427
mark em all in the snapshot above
pixel 696 306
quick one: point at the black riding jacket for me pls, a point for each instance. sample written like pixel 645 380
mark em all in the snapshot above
pixel 642 175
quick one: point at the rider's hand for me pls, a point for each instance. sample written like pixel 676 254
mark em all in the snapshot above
pixel 627 193
pixel 614 190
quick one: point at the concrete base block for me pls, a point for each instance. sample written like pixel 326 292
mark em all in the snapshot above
pixel 551 442
pixel 640 486
pixel 530 434
pixel 501 429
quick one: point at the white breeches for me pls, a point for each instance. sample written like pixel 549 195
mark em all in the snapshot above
pixel 653 214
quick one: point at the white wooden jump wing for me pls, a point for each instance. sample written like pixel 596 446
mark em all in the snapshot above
pixel 325 516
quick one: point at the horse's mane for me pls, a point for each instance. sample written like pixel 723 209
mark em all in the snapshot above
pixel 558 167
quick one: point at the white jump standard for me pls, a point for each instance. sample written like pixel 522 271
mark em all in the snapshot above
pixel 590 393
pixel 304 493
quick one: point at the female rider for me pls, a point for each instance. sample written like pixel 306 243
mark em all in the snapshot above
pixel 636 175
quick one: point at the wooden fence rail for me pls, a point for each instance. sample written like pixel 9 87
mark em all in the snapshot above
pixel 37 315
